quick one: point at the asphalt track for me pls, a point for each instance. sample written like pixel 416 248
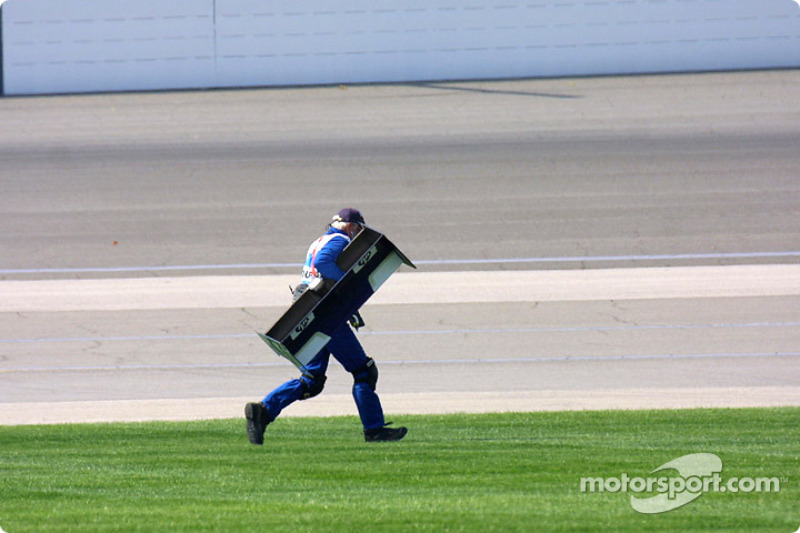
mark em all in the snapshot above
pixel 598 243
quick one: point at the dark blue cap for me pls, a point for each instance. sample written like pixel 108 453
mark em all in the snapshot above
pixel 349 214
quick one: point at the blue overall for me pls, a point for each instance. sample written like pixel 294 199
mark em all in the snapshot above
pixel 345 348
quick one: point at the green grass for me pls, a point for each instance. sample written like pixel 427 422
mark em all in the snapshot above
pixel 496 472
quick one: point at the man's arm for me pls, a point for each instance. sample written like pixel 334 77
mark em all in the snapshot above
pixel 325 261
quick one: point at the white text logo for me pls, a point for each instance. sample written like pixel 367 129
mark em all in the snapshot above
pixel 697 473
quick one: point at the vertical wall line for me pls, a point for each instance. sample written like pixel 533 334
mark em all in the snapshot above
pixel 2 59
pixel 214 24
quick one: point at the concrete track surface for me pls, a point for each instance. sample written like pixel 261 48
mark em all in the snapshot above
pixel 597 243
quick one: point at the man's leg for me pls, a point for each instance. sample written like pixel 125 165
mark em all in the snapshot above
pixel 259 415
pixel 302 388
pixel 344 346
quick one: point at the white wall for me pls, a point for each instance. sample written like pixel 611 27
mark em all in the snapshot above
pixel 52 46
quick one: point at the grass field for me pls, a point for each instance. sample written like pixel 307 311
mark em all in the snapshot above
pixel 508 472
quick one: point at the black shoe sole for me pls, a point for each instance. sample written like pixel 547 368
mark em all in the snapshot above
pixel 386 435
pixel 253 412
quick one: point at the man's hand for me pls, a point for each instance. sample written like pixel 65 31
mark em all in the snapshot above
pixel 356 321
